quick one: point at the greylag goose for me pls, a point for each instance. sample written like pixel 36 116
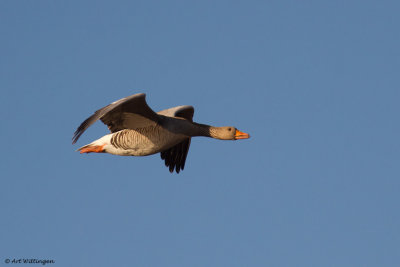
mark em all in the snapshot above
pixel 136 130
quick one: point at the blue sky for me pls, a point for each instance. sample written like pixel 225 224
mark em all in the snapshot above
pixel 315 83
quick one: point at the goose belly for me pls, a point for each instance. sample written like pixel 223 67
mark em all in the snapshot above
pixel 142 142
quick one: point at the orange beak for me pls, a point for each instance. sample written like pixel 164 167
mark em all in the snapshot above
pixel 241 135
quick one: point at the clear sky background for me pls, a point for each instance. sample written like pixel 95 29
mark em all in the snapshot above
pixel 315 83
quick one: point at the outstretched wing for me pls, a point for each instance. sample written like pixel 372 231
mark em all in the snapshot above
pixel 185 112
pixel 175 157
pixel 127 113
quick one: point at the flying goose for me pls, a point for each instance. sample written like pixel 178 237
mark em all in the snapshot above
pixel 136 130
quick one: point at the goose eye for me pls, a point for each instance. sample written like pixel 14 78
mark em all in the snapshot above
pixel 229 129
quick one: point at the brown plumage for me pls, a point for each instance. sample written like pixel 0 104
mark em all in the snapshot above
pixel 136 130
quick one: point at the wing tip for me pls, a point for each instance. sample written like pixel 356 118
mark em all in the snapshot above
pixel 175 157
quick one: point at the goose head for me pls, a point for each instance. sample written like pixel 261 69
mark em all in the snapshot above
pixel 228 133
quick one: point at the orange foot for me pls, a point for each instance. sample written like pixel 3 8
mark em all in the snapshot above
pixel 89 149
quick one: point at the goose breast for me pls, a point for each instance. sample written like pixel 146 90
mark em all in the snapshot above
pixel 143 141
